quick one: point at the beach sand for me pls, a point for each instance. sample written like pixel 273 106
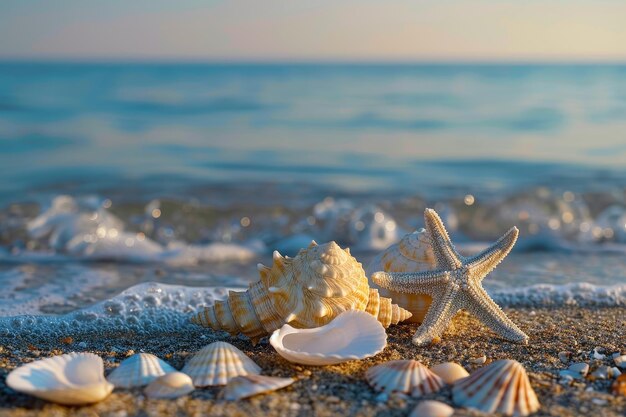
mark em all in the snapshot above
pixel 341 390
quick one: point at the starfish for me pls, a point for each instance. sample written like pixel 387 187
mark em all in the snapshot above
pixel 455 284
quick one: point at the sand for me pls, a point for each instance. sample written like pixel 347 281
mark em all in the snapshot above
pixel 341 390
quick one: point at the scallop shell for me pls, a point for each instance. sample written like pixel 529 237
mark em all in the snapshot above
pixel 307 291
pixel 450 372
pixel 248 385
pixel 70 379
pixel 405 376
pixel 352 335
pixel 138 370
pixel 413 253
pixel 500 387
pixel 171 385
pixel 218 363
pixel 431 408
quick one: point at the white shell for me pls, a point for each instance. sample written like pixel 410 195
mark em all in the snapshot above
pixel 501 387
pixel 432 408
pixel 71 379
pixel 170 385
pixel 218 363
pixel 450 372
pixel 138 370
pixel 351 335
pixel 406 376
pixel 413 253
pixel 248 385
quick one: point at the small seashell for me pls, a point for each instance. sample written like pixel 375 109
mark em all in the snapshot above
pixel 500 387
pixel 432 408
pixel 579 368
pixel 171 385
pixel 450 372
pixel 405 376
pixel 564 357
pixel 479 360
pixel 597 355
pixel 248 385
pixel 619 386
pixel 352 335
pixel 620 361
pixel 614 372
pixel 306 291
pixel 70 379
pixel 218 363
pixel 601 373
pixel 138 370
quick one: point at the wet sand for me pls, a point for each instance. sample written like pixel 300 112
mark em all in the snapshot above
pixel 341 390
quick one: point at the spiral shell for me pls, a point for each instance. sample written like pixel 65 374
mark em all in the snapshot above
pixel 412 254
pixel 307 291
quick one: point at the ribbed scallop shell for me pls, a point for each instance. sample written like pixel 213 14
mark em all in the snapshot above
pixel 246 386
pixel 413 253
pixel 307 291
pixel 500 387
pixel 138 370
pixel 450 372
pixel 218 363
pixel 171 385
pixel 352 335
pixel 70 379
pixel 406 376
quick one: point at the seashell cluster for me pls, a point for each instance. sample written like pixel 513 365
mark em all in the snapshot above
pixel 352 335
pixel 138 370
pixel 500 387
pixel 70 379
pixel 306 291
pixel 248 385
pixel 413 253
pixel 171 385
pixel 218 363
pixel 406 376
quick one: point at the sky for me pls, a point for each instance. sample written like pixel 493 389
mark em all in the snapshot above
pixel 352 30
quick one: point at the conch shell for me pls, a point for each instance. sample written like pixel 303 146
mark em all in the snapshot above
pixel 413 253
pixel 307 291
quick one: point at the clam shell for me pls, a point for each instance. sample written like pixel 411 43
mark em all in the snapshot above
pixel 218 363
pixel 352 335
pixel 431 408
pixel 450 372
pixel 307 291
pixel 70 379
pixel 500 387
pixel 248 385
pixel 413 253
pixel 138 370
pixel 170 385
pixel 405 376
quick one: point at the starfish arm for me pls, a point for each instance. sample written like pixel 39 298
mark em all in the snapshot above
pixel 482 264
pixel 437 319
pixel 445 253
pixel 411 282
pixel 479 304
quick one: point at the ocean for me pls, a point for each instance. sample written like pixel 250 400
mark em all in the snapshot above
pixel 125 180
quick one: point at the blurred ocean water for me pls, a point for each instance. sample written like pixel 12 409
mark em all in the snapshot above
pixel 117 174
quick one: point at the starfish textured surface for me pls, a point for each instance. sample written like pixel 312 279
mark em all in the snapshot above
pixel 456 284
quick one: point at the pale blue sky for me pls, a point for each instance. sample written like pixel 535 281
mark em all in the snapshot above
pixel 309 30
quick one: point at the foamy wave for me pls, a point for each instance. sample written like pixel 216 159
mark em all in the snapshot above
pixel 144 308
pixel 579 294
